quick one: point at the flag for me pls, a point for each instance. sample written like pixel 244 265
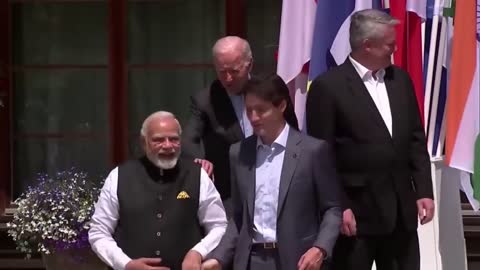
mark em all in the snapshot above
pixel 296 31
pixel 313 37
pixel 331 45
pixel 329 19
pixel 410 13
pixel 463 110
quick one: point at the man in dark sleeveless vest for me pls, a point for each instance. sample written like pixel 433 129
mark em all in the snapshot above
pixel 159 211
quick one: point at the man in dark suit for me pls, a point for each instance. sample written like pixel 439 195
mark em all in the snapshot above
pixel 366 109
pixel 218 116
pixel 286 199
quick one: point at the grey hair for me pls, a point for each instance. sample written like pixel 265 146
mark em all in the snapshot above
pixel 368 24
pixel 158 115
pixel 230 43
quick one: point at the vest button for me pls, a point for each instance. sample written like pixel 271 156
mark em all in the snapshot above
pixel 159 215
pixel 159 234
pixel 157 252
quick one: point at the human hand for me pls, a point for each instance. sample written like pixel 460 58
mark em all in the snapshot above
pixel 426 210
pixel 311 260
pixel 349 224
pixel 192 261
pixel 145 264
pixel 206 165
pixel 211 264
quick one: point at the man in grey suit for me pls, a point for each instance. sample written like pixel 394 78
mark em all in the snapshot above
pixel 285 195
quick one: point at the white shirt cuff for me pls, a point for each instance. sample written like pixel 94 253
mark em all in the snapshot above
pixel 200 249
pixel 121 261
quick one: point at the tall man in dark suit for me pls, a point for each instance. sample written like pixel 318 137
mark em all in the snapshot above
pixel 218 116
pixel 366 109
pixel 286 199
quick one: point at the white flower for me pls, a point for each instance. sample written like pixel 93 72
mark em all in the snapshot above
pixel 58 209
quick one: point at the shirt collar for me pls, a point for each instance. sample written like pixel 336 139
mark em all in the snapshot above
pixel 231 96
pixel 280 140
pixel 364 72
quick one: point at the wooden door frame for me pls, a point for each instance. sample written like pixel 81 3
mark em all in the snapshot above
pixel 6 109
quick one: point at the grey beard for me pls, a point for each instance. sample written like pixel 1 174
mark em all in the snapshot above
pixel 164 164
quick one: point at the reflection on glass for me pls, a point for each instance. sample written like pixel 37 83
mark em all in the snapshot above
pixel 263 29
pixel 174 31
pixel 33 156
pixel 60 33
pixel 60 121
pixel 60 101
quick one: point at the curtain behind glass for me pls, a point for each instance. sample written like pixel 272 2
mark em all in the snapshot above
pixel 60 115
pixel 170 33
pixel 263 29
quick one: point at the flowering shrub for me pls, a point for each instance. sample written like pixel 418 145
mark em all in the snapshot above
pixel 55 214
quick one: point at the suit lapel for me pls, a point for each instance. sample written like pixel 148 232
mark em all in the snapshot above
pixel 225 113
pixel 292 155
pixel 235 132
pixel 393 98
pixel 359 90
pixel 249 177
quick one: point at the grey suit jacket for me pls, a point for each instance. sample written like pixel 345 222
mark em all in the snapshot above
pixel 309 212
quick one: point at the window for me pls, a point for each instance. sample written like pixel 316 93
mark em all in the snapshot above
pixel 263 30
pixel 59 89
pixel 169 57
pixel 77 77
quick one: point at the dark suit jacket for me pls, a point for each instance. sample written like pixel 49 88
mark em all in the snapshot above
pixel 212 128
pixel 309 212
pixel 382 175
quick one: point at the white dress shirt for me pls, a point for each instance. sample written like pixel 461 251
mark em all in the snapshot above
pixel 211 216
pixel 238 102
pixel 377 90
pixel 267 183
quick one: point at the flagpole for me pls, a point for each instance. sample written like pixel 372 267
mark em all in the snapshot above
pixel 428 83
pixel 436 87
pixel 441 138
pixel 423 26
